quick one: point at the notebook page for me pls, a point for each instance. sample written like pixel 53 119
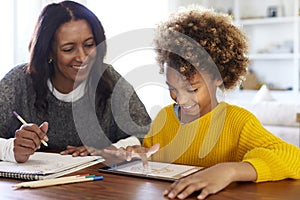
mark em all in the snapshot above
pixel 45 163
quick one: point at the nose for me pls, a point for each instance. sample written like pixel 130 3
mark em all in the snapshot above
pixel 81 55
pixel 181 98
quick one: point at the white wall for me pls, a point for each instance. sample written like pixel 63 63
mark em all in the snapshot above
pixel 118 18
pixel 18 18
pixel 6 41
pixel 129 31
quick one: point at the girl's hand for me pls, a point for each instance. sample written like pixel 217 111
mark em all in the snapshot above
pixel 135 151
pixel 209 181
pixel 28 140
pixel 110 158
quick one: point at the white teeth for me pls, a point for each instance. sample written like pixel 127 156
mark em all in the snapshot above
pixel 79 67
pixel 187 107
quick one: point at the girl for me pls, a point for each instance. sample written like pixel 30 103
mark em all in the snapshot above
pixel 201 51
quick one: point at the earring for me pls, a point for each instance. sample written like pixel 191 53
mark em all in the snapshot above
pixel 50 60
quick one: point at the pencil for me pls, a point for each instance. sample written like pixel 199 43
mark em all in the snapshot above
pixel 46 181
pixel 58 181
pixel 24 122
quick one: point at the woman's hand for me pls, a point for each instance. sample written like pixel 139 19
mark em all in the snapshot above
pixel 76 151
pixel 28 140
pixel 211 180
pixel 112 155
pixel 86 150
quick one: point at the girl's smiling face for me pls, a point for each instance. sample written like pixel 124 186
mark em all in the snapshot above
pixel 196 96
pixel 74 52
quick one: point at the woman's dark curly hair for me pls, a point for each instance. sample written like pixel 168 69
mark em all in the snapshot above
pixel 203 40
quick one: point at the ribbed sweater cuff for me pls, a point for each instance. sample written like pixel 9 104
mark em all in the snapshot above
pixel 262 169
pixel 7 150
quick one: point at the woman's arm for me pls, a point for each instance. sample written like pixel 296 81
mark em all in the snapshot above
pixel 6 149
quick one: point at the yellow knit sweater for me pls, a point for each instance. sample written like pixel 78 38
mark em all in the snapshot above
pixel 226 134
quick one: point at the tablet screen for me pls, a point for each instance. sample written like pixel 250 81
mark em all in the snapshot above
pixel 156 170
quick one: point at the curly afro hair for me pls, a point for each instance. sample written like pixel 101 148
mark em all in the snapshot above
pixel 197 39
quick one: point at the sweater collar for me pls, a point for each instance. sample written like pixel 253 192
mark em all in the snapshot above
pixel 73 96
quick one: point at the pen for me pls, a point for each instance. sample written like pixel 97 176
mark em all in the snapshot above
pixel 58 181
pixel 24 122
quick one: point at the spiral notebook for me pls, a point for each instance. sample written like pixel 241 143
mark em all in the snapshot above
pixel 42 165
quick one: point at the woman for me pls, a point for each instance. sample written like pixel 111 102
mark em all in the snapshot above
pixel 67 87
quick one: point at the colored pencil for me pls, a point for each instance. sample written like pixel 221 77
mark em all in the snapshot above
pixel 57 181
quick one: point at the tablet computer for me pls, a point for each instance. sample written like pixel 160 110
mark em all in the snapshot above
pixel 156 170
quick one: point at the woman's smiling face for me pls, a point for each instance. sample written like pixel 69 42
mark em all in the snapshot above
pixel 74 53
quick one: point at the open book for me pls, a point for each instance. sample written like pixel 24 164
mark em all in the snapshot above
pixel 42 165
pixel 156 170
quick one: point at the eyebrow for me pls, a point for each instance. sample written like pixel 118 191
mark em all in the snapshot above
pixel 191 84
pixel 90 38
pixel 194 83
pixel 71 43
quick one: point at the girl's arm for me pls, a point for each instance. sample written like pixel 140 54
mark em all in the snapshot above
pixel 211 180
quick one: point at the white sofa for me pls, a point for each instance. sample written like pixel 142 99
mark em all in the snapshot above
pixel 277 117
